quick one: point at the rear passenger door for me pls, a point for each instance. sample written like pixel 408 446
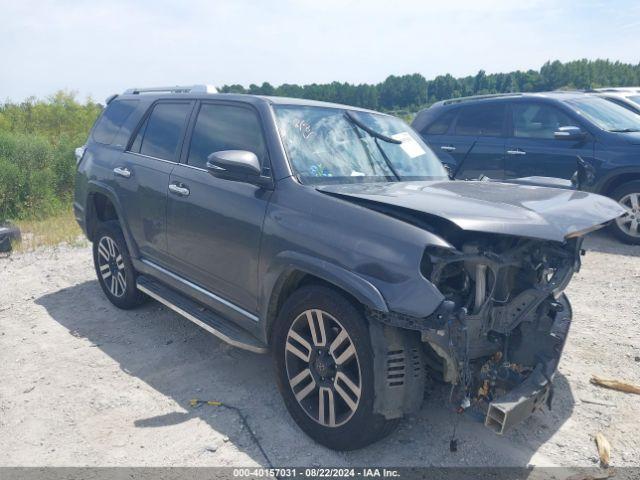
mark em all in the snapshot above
pixel 478 140
pixel 142 174
pixel 215 225
pixel 533 150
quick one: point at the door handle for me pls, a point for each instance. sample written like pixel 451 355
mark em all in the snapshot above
pixel 122 172
pixel 517 151
pixel 448 148
pixel 178 190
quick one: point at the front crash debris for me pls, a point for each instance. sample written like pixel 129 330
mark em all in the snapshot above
pixel 499 333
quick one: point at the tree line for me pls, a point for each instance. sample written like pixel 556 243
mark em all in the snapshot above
pixel 411 92
pixel 38 136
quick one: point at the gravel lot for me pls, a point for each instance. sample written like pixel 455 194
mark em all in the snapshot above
pixel 85 384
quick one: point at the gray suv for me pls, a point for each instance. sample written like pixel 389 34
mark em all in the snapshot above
pixel 332 237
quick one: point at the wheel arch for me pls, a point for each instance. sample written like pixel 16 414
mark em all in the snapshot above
pixel 103 205
pixel 300 269
pixel 617 179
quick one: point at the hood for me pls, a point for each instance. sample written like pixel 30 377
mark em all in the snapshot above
pixel 493 207
pixel 631 137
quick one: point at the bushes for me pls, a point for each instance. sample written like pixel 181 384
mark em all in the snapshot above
pixel 37 161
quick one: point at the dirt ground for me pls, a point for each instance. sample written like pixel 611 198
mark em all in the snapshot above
pixel 85 384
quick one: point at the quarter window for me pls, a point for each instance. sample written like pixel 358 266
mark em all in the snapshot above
pixel 225 127
pixel 441 125
pixel 161 132
pixel 537 120
pixel 112 119
pixel 484 120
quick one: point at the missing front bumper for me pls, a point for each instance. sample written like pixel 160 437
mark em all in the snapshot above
pixel 536 390
pixel 519 403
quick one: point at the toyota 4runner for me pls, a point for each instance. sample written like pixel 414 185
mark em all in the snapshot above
pixel 332 237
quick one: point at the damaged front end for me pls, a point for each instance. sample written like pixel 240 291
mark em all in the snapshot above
pixel 499 334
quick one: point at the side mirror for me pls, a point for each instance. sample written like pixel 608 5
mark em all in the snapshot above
pixel 569 133
pixel 233 163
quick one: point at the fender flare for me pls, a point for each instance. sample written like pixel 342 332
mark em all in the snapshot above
pixel 363 290
pixel 94 187
pixel 604 183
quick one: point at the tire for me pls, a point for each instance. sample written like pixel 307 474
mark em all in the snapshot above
pixel 317 371
pixel 627 228
pixel 113 266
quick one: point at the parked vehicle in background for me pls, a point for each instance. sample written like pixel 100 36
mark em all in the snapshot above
pixel 627 97
pixel 508 136
pixel 333 237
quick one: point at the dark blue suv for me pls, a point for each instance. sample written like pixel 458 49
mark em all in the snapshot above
pixel 521 135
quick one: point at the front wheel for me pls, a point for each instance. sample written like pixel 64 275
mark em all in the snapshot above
pixel 627 227
pixel 324 363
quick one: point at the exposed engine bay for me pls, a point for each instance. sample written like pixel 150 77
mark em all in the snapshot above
pixel 498 335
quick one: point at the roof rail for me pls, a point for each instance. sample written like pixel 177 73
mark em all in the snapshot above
pixel 480 97
pixel 174 89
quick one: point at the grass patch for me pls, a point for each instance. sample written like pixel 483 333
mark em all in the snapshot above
pixel 49 232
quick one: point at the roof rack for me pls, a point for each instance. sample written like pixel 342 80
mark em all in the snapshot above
pixel 174 89
pixel 480 97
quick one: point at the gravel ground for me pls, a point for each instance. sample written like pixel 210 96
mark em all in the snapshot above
pixel 85 384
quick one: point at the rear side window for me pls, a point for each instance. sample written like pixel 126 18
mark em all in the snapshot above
pixel 161 132
pixel 112 120
pixel 441 125
pixel 225 127
pixel 537 120
pixel 481 120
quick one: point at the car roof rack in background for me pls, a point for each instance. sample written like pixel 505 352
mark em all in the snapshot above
pixel 480 97
pixel 174 89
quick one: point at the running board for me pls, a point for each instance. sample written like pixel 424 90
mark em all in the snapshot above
pixel 203 317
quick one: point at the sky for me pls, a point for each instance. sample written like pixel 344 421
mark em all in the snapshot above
pixel 97 48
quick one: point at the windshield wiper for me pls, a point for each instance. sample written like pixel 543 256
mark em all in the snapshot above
pixel 624 130
pixel 352 118
pixel 376 136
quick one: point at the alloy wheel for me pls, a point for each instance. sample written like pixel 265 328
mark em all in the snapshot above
pixel 111 266
pixel 323 368
pixel 630 222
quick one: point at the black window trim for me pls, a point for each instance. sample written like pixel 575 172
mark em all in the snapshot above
pixel 143 123
pixel 184 157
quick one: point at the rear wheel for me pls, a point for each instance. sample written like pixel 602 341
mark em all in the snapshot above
pixel 324 363
pixel 114 268
pixel 627 227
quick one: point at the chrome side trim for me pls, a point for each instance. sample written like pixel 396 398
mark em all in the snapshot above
pixel 152 158
pixel 213 296
pixel 201 324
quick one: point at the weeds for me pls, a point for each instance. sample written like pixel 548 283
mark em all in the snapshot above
pixel 59 228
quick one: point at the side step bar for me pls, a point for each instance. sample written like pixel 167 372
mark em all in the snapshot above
pixel 205 318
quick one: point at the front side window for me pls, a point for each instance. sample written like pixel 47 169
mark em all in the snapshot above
pixel 538 120
pixel 606 115
pixel 481 120
pixel 225 127
pixel 161 132
pixel 112 120
pixel 324 145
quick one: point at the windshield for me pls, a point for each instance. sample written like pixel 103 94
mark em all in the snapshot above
pixel 325 145
pixel 605 114
pixel 634 98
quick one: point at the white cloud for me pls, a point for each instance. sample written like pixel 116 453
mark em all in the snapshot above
pixel 103 47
